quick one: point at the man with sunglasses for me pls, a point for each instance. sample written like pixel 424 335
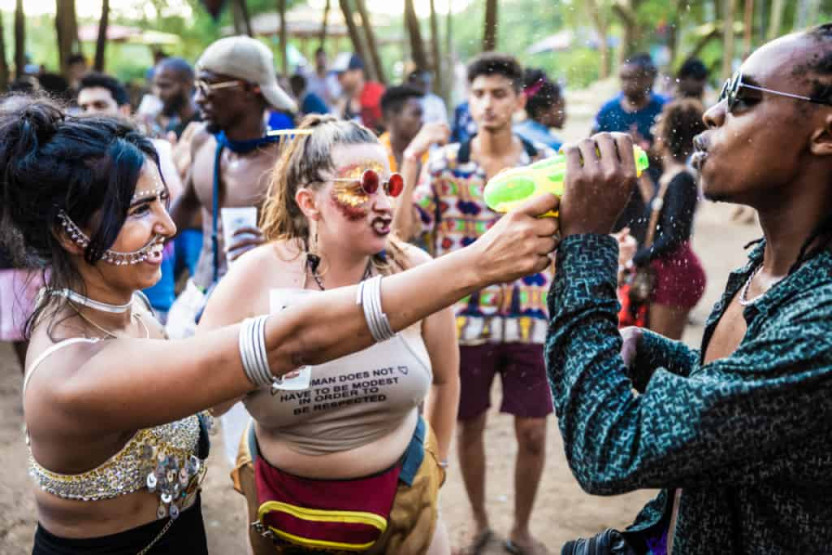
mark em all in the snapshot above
pixel 738 435
pixel 232 157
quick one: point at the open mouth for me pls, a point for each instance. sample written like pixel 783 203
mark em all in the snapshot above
pixel 155 252
pixel 700 154
pixel 381 225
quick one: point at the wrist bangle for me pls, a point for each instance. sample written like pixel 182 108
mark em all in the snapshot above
pixel 444 464
pixel 369 297
pixel 253 353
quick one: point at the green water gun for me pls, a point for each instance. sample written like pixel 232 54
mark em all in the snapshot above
pixel 512 187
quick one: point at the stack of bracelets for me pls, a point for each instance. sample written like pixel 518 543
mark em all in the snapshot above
pixel 252 341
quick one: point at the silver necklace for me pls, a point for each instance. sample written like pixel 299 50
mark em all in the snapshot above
pixel 314 271
pixel 80 299
pixel 743 299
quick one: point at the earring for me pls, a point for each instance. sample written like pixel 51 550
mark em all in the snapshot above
pixel 313 260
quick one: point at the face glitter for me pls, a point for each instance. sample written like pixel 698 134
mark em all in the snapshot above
pixel 348 196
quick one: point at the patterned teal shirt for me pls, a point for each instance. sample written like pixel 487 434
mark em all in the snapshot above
pixel 748 438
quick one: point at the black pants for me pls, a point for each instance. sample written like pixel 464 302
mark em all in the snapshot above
pixel 186 536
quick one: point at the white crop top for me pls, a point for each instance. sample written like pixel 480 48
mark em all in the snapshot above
pixel 350 401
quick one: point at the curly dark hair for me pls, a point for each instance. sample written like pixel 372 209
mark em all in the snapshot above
pixel 679 122
pixel 494 63
pixel 87 167
pixel 546 92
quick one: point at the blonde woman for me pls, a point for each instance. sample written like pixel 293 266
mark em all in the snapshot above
pixel 371 432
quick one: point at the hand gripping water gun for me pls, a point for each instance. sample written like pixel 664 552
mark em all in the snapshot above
pixel 512 187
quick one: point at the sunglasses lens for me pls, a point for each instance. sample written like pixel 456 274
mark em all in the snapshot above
pixel 395 185
pixel 369 182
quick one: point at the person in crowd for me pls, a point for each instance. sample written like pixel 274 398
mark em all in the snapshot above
pixel 434 107
pixel 323 82
pixel 634 110
pixel 328 222
pixel 76 67
pixel 403 113
pixel 678 277
pixel 360 99
pixel 98 93
pixel 232 156
pixel 26 84
pixel 308 101
pixel 691 79
pixel 735 434
pixel 117 457
pixel 545 110
pixel 501 329
pixel 173 84
pixel 463 127
pixel 103 95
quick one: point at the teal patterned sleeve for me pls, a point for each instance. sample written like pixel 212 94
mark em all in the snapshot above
pixel 721 424
pixel 656 351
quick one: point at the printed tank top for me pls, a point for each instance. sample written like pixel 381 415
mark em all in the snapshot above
pixel 350 401
pixel 163 459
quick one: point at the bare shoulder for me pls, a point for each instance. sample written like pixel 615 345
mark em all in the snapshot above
pixel 414 256
pixel 244 291
pixel 200 136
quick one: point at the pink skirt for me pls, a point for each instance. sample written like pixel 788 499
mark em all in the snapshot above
pixel 679 278
pixel 18 290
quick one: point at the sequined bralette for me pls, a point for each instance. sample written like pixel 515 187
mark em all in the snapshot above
pixel 162 459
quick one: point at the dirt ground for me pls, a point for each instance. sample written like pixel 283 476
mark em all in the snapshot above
pixel 562 510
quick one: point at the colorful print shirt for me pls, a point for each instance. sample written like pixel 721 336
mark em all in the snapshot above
pixel 746 438
pixel 450 202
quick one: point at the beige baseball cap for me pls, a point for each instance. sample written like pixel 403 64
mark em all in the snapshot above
pixel 248 59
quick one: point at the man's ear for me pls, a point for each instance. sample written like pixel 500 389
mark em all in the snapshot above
pixel 521 101
pixel 821 141
pixel 124 110
pixel 308 203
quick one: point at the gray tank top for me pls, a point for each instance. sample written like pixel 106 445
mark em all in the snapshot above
pixel 351 401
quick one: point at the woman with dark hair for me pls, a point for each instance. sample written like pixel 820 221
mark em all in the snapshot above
pixel 116 453
pixel 678 277
pixel 545 109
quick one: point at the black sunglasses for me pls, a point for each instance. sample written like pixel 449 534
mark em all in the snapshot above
pixel 732 87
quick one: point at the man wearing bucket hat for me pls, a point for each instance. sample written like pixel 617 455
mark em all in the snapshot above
pixel 232 157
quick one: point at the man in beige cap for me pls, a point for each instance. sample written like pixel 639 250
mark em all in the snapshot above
pixel 231 162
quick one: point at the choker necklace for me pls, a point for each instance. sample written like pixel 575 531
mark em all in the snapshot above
pixel 80 299
pixel 110 335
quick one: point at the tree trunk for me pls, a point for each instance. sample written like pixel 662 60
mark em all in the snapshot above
pixel 602 28
pixel 748 28
pixel 367 25
pixel 19 39
pixel 66 27
pixel 101 43
pixel 355 37
pixel 438 69
pixel 284 38
pixel 631 41
pixel 417 45
pixel 489 35
pixel 242 21
pixel 776 19
pixel 4 68
pixel 729 7
pixel 324 24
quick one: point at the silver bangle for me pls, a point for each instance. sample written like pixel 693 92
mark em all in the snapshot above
pixel 371 303
pixel 252 345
